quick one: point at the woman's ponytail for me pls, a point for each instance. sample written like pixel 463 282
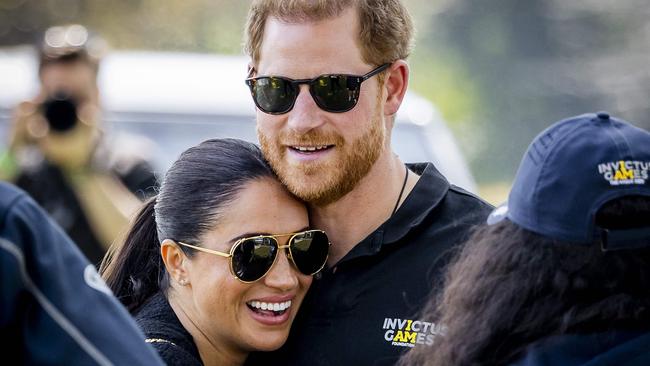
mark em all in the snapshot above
pixel 134 271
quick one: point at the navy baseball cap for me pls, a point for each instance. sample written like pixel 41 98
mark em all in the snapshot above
pixel 570 170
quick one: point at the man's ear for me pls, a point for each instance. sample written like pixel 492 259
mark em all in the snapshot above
pixel 396 82
pixel 175 261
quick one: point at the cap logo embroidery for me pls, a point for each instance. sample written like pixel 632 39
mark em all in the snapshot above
pixel 624 172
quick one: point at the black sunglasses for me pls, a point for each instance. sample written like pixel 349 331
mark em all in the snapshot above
pixel 252 258
pixel 335 93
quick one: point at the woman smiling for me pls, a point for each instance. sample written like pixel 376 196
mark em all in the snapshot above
pixel 217 264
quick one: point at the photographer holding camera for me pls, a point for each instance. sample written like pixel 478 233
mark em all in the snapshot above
pixel 60 156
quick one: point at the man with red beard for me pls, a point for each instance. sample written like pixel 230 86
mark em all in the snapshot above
pixel 327 78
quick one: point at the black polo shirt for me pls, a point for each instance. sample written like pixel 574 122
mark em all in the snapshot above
pixel 363 311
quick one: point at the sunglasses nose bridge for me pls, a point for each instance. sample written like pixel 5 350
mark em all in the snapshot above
pixel 303 90
pixel 282 248
pixel 306 114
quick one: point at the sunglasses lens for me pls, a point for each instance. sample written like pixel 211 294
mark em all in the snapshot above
pixel 309 251
pixel 273 94
pixel 336 93
pixel 253 258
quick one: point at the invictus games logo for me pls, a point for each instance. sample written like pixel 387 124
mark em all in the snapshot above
pixel 625 172
pixel 408 333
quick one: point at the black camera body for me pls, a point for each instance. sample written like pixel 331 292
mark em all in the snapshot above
pixel 60 111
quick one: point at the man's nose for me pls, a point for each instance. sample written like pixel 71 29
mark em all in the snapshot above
pixel 305 114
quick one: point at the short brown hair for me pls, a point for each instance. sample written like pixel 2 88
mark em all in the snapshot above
pixel 386 27
pixel 80 56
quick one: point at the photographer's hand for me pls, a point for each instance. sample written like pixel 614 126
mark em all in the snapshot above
pixel 20 138
pixel 19 135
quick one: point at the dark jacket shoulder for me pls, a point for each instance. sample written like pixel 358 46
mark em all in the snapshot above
pixel 165 332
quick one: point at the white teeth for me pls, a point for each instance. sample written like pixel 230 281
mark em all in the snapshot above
pixel 274 306
pixel 309 148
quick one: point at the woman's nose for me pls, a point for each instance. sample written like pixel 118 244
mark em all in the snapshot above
pixel 283 274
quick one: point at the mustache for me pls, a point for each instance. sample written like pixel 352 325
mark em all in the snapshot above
pixel 311 138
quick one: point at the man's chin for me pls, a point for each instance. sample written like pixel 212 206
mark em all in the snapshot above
pixel 301 184
pixel 316 198
pixel 317 190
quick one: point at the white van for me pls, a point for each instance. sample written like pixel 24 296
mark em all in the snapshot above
pixel 179 99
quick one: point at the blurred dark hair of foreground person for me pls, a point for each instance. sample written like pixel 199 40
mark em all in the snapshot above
pixel 561 273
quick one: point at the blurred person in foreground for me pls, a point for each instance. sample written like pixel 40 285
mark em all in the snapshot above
pixel 89 183
pixel 218 263
pixel 560 275
pixel 54 307
pixel 327 78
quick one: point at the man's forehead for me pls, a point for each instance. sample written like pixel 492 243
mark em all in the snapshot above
pixel 310 47
pixel 75 78
pixel 75 70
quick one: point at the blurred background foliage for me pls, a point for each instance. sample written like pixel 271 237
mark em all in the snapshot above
pixel 500 71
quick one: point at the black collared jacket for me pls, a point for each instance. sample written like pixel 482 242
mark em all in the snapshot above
pixel 166 333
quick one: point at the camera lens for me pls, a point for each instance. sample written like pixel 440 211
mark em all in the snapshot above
pixel 60 111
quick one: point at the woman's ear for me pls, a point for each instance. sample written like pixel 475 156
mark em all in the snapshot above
pixel 175 262
pixel 396 82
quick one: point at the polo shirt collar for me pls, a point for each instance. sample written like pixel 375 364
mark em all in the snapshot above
pixel 429 191
pixel 425 196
